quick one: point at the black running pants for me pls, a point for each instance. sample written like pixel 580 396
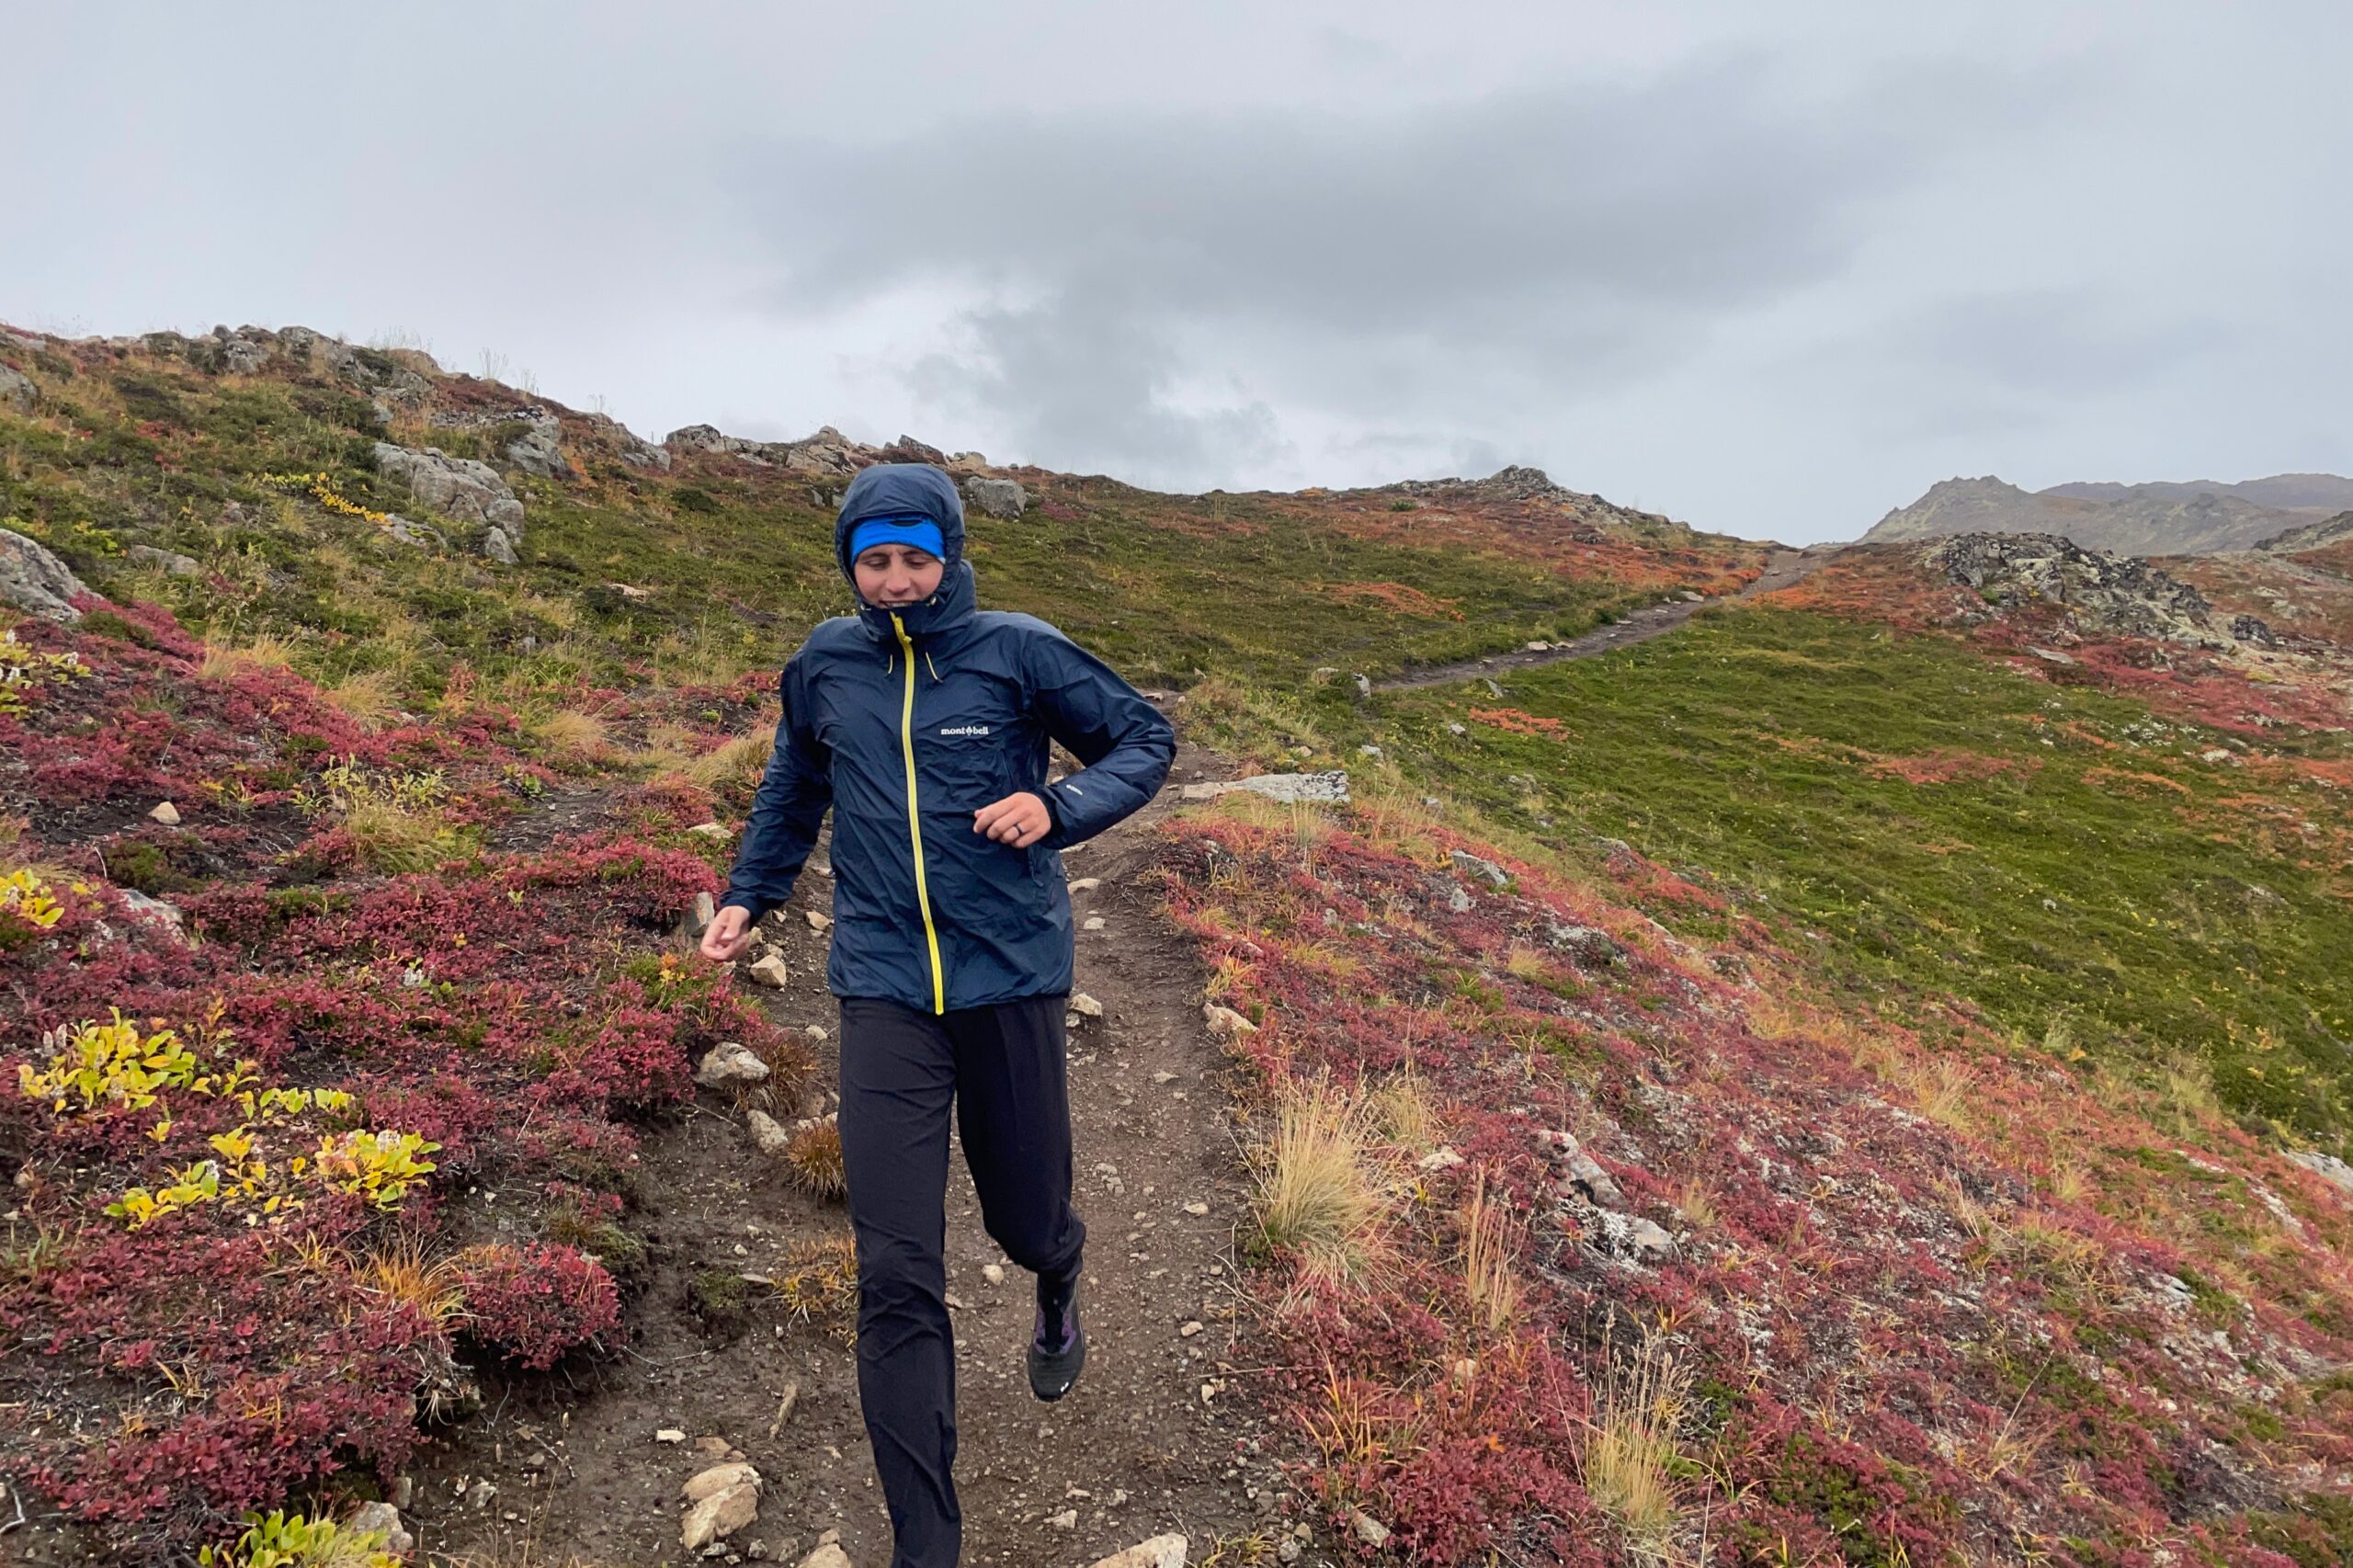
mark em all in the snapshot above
pixel 1004 1070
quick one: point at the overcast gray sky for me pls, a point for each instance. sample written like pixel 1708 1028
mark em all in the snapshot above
pixel 1772 268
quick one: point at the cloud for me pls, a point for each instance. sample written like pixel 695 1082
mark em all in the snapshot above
pixel 1560 238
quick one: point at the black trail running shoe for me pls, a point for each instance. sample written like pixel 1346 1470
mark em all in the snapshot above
pixel 1057 1353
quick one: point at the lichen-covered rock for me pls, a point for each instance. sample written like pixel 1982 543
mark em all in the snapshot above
pixel 537 450
pixel 17 391
pixel 468 491
pixel 997 497
pixel 2099 592
pixel 36 582
pixel 496 546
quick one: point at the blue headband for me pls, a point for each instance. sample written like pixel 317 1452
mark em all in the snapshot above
pixel 920 532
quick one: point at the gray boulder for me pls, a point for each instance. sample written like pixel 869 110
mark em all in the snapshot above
pixel 461 487
pixel 1288 787
pixel 244 356
pixel 420 536
pixel 498 547
pixel 997 497
pixel 17 391
pixel 637 454
pixel 171 561
pixel 1478 866
pixel 36 582
pixel 2328 1168
pixel 536 450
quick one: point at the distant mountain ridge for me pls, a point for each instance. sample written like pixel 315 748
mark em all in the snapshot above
pixel 2162 518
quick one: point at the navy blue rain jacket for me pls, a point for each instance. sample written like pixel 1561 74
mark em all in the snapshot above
pixel 907 722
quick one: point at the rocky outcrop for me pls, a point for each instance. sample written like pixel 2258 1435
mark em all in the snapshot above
pixel 537 452
pixel 997 497
pixel 17 391
pixel 36 582
pixel 2099 592
pixel 468 491
pixel 826 454
pixel 1591 517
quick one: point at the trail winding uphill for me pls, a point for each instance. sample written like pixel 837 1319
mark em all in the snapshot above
pixel 1785 567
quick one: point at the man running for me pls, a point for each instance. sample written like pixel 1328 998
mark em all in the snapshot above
pixel 925 723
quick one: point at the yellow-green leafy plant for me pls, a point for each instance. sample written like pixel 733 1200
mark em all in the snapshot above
pixel 24 897
pixel 23 668
pixel 320 488
pixel 379 1166
pixel 199 1183
pixel 279 1539
pixel 95 1068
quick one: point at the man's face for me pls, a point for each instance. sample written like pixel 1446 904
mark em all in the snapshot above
pixel 895 575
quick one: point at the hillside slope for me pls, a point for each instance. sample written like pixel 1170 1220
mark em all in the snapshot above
pixel 1864 1077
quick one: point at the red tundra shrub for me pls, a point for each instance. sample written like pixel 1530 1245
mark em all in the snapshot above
pixel 534 1303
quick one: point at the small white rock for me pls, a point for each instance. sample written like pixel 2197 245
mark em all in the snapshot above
pixel 1187 1330
pixel 669 1435
pixel 166 813
pixel 1197 1208
pixel 1086 1006
pixel 993 1273
pixel 768 1135
pixel 1065 1520
pixel 1160 1551
pixel 1092 922
pixel 729 1061
pixel 819 920
pixel 1367 1528
pixel 1225 1021
pixel 771 971
pixel 1086 884
pixel 709 830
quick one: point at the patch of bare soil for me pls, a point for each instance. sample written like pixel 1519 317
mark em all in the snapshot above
pixel 1161 1434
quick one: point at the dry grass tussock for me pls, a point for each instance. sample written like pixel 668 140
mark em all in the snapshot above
pixel 1321 1195
pixel 368 699
pixel 739 760
pixel 394 820
pixel 227 661
pixel 573 736
pixel 1490 1243
pixel 1305 825
pixel 1406 1114
pixel 401 1271
pixel 1630 1452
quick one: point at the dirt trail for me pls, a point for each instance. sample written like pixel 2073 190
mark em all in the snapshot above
pixel 1785 567
pixel 1136 1449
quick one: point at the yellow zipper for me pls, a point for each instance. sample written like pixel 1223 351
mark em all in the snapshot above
pixel 914 820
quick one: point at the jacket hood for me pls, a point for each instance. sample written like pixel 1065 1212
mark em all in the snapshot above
pixel 897 490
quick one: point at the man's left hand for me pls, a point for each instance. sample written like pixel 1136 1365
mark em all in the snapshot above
pixel 1019 820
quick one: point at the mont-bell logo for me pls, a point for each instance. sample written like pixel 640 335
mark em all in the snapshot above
pixel 966 730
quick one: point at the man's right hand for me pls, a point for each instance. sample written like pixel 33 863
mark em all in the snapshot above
pixel 728 933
